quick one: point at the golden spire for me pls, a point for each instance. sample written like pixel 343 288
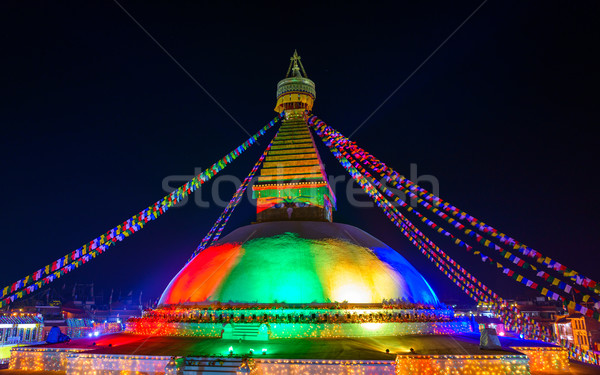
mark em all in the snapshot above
pixel 296 92
pixel 296 66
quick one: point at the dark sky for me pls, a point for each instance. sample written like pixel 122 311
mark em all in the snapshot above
pixel 94 116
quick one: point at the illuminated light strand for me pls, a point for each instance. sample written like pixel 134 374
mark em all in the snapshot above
pixel 318 124
pixel 197 321
pixel 341 330
pixel 484 258
pixel 39 359
pixel 312 366
pixel 84 364
pixel 536 331
pixel 470 289
pixel 307 330
pixel 343 143
pixel 546 359
pixel 501 237
pixel 486 229
pixel 458 241
pixel 77 362
pixel 463 364
pixel 387 206
pixel 553 281
pixel 413 237
pixel 370 178
pixel 511 318
pixel 221 222
pixel 259 309
pixel 405 226
pixel 148 327
pixel 97 246
pixel 578 354
pixel 193 322
pixel 550 280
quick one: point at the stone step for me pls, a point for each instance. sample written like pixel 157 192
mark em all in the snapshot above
pixel 246 328
pixel 211 366
pixel 245 331
pixel 244 334
pixel 209 370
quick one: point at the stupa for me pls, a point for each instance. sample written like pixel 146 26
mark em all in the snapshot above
pixel 295 267
pixel 295 253
pixel 295 293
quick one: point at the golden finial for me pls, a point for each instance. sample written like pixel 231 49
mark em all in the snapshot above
pixel 296 66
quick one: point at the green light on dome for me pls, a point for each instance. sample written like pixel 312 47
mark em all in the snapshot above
pixel 291 269
pixel 281 268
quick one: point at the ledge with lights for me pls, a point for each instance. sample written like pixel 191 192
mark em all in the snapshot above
pixel 293 322
pixel 311 366
pixel 367 329
pixel 546 359
pixel 40 359
pixel 80 361
pixel 462 364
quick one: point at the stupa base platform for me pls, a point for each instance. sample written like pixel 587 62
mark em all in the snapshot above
pixel 277 321
pixel 278 331
pixel 432 354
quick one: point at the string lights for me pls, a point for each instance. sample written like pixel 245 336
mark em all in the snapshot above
pixel 545 359
pixel 438 206
pixel 39 359
pixel 78 362
pixel 462 364
pixel 464 280
pixel 100 244
pixel 215 232
pixel 85 364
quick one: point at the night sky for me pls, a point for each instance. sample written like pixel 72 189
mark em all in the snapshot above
pixel 94 115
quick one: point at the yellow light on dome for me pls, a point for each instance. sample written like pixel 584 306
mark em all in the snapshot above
pixel 371 326
pixel 350 291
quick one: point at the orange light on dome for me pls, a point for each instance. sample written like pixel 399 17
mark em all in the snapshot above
pixel 216 263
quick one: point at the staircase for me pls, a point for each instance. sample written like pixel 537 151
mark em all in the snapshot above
pixel 245 331
pixel 211 365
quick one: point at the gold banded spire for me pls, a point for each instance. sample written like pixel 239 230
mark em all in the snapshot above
pixel 296 66
pixel 295 93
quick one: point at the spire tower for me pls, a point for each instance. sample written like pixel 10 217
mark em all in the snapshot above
pixel 292 184
pixel 296 92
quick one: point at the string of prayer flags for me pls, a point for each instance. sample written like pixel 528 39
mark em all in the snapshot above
pixel 217 228
pixel 99 244
pixel 337 140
